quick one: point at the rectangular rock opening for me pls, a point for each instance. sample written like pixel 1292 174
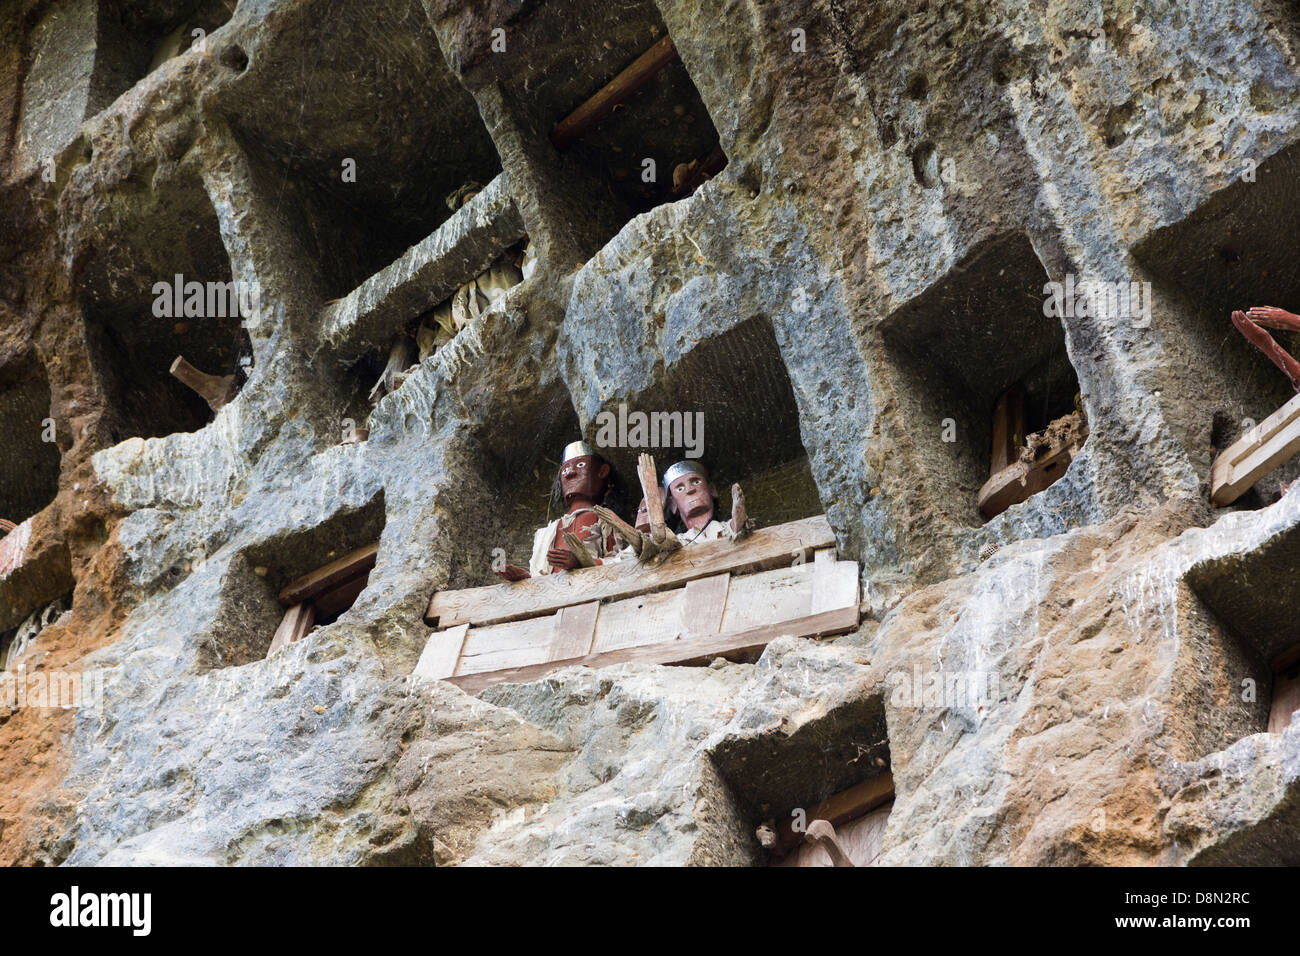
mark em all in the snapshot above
pixel 157 295
pixel 1247 608
pixel 29 471
pixel 306 579
pixel 835 769
pixel 81 55
pixel 144 34
pixel 977 338
pixel 382 143
pixel 1215 260
pixel 381 372
pixel 619 119
pixel 506 495
pixel 728 403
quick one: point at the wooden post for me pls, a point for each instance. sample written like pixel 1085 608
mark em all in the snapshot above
pixel 1286 691
pixel 643 69
pixel 295 624
pixel 1008 428
pixel 216 390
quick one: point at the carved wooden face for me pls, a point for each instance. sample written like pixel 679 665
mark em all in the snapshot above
pixel 583 477
pixel 692 495
pixel 642 517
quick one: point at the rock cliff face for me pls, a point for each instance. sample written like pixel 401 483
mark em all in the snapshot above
pixel 845 302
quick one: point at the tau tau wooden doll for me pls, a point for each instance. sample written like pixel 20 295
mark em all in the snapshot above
pixel 575 539
pixel 693 499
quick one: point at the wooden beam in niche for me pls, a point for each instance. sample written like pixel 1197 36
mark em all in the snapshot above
pixel 618 90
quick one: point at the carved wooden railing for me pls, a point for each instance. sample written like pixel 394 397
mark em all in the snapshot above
pixel 721 599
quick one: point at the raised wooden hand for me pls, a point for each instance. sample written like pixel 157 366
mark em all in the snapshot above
pixel 654 502
pixel 1274 318
pixel 1268 345
pixel 610 522
pixel 740 523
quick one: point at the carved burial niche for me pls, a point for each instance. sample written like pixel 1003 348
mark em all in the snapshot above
pixel 835 769
pixel 502 492
pixel 29 470
pixel 33 570
pixel 141 318
pixel 969 346
pixel 619 125
pixel 1252 598
pixel 381 139
pixel 308 578
pixel 728 402
pixel 1214 260
pixel 80 55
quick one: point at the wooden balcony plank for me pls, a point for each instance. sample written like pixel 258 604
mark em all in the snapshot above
pixel 767 548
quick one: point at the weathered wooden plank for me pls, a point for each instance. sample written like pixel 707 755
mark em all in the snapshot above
pixel 575 628
pixel 697 650
pixel 616 91
pixel 835 583
pixel 765 548
pixel 336 572
pixel 441 654
pixel 1268 445
pixel 644 619
pixel 861 839
pixel 426 274
pixel 768 597
pixel 839 808
pixel 1019 482
pixel 295 624
pixel 703 604
pixel 513 644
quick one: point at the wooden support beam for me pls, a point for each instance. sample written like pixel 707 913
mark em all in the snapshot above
pixel 743 645
pixel 1008 428
pixel 766 548
pixel 216 390
pixel 839 808
pixel 342 596
pixel 295 624
pixel 337 572
pixel 1269 444
pixel 618 90
pixel 835 583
